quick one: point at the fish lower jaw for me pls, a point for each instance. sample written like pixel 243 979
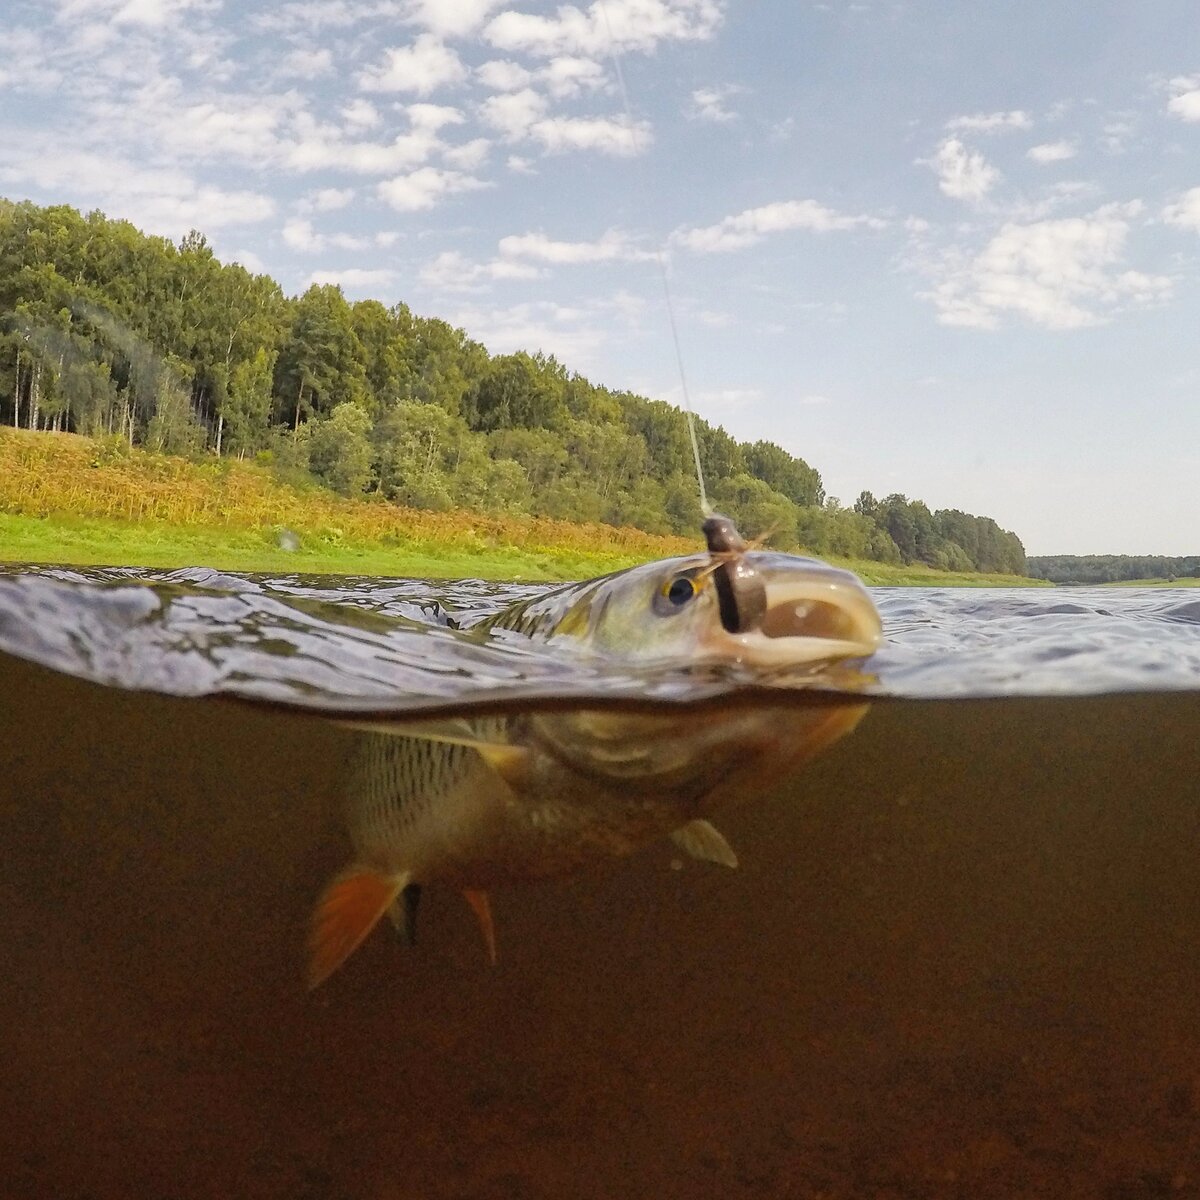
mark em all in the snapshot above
pixel 756 649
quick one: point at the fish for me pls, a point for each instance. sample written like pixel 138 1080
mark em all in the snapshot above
pixel 479 802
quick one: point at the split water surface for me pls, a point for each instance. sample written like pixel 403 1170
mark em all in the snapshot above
pixel 958 958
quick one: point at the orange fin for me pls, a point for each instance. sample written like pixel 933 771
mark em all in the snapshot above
pixel 347 911
pixel 483 911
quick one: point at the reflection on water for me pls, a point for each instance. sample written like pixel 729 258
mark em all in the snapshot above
pixel 958 958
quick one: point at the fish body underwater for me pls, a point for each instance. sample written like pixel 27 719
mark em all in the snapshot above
pixel 476 802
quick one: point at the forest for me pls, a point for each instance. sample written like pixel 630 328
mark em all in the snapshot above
pixel 106 331
pixel 1112 568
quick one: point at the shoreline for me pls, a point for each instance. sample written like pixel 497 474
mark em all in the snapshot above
pixel 71 500
pixel 65 540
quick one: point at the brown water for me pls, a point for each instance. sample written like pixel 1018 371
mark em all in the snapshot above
pixel 958 961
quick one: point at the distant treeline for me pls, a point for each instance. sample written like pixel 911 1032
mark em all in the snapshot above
pixel 106 331
pixel 1112 568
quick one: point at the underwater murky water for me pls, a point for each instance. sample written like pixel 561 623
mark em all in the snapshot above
pixel 958 959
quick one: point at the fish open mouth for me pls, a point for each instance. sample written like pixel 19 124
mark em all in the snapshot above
pixel 815 615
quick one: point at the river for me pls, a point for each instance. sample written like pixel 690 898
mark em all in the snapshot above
pixel 958 959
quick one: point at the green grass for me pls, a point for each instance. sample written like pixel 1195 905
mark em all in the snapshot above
pixel 914 575
pixel 83 541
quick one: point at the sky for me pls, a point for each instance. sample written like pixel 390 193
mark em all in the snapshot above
pixel 945 249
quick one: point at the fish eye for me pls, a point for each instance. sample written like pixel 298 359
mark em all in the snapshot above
pixel 680 590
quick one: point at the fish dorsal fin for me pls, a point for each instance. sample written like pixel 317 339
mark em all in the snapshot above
pixel 702 840
pixel 347 911
pixel 510 762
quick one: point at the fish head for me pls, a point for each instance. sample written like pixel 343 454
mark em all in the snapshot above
pixel 774 617
pixel 759 609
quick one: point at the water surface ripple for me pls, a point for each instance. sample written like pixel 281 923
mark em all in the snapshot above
pixel 354 644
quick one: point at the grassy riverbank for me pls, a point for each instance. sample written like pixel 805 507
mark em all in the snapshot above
pixel 1153 583
pixel 68 499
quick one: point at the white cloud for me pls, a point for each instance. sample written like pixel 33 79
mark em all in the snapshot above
pixel 469 156
pixel 153 14
pixel 519 256
pixel 1185 103
pixel 310 146
pixel 454 272
pixel 423 188
pixel 315 15
pixel 1067 193
pixel 607 135
pixel 566 75
pixel 569 75
pixel 1116 134
pixel 355 278
pixel 996 122
pixel 433 117
pixel 519 165
pixel 503 75
pixel 307 64
pixel 164 200
pixel 30 76
pixel 230 125
pixel 422 67
pixel 522 115
pixel 754 224
pixel 514 113
pixel 1052 152
pixel 708 104
pixel 621 25
pixel 1184 212
pixel 571 333
pixel 248 259
pixel 450 18
pixel 963 175
pixel 298 233
pixel 361 114
pixel 1060 274
pixel 612 246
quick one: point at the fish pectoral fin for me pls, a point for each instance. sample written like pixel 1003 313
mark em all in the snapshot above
pixel 483 912
pixel 349 908
pixel 701 840
pixel 510 762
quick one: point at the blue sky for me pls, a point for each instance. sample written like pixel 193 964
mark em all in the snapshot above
pixel 947 249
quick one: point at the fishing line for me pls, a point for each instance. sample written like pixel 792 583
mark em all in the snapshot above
pixel 660 257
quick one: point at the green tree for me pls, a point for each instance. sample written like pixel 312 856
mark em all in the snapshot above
pixel 758 509
pixel 321 362
pixel 791 477
pixel 515 390
pixel 339 449
pixel 247 405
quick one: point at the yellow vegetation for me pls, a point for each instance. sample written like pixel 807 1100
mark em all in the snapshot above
pixel 44 474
